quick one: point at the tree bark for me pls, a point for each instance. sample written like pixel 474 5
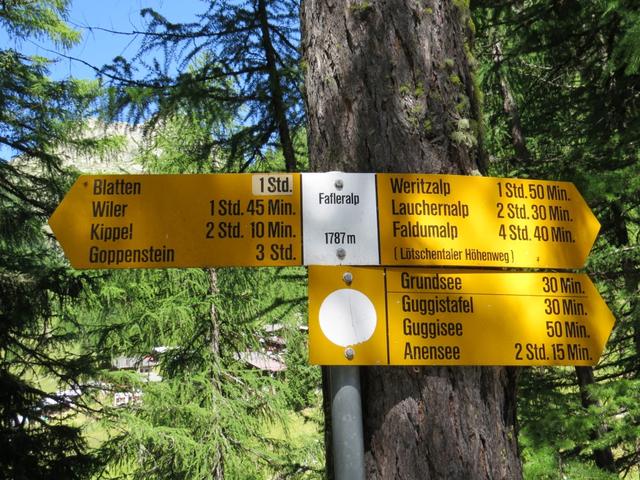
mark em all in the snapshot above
pixel 511 110
pixel 617 224
pixel 278 106
pixel 603 456
pixel 389 89
pixel 328 427
pixel 218 469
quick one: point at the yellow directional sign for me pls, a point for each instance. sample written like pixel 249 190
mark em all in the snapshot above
pixel 151 221
pixel 417 316
pixel 138 221
pixel 482 221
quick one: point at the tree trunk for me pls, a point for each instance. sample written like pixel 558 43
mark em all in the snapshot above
pixel 278 107
pixel 213 313
pixel 218 470
pixel 511 110
pixel 603 456
pixel 328 427
pixel 617 224
pixel 389 88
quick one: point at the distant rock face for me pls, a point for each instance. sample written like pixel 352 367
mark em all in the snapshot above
pixel 121 159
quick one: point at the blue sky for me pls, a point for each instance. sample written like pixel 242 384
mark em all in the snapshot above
pixel 98 47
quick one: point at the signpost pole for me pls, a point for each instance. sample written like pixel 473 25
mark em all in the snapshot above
pixel 346 415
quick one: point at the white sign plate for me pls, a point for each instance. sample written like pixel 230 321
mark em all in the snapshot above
pixel 340 220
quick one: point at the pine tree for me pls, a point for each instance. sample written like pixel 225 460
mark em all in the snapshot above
pixel 39 372
pixel 211 414
pixel 574 83
pixel 242 56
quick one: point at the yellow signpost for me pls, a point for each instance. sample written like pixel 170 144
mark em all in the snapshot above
pixel 417 316
pixel 370 316
pixel 482 221
pixel 152 221
pixel 137 221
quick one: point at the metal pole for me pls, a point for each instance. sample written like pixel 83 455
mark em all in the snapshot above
pixel 346 422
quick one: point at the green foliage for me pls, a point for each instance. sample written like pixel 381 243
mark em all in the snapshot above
pixel 572 72
pixel 360 7
pixel 245 65
pixel 186 427
pixel 627 51
pixel 212 411
pixel 302 379
pixel 39 19
pixel 543 463
pixel 38 361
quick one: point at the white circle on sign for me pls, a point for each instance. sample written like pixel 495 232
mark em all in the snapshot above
pixel 347 317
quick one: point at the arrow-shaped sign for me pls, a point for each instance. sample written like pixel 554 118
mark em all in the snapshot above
pixel 152 221
pixel 416 316
pixel 482 221
pixel 138 221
